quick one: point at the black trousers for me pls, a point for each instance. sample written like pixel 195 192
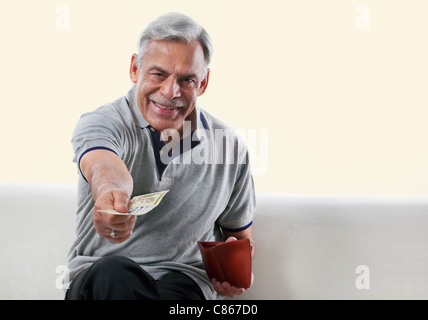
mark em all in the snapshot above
pixel 120 278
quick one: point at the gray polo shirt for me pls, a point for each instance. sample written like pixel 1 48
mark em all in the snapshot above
pixel 210 188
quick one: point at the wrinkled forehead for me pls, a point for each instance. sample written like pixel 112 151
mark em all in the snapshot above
pixel 171 55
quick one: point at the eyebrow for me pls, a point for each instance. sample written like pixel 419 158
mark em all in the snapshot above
pixel 180 76
pixel 158 69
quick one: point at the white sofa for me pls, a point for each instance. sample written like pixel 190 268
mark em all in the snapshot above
pixel 307 247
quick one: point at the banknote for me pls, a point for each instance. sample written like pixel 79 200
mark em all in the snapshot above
pixel 141 204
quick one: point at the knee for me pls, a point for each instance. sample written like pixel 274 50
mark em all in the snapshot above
pixel 120 278
pixel 111 265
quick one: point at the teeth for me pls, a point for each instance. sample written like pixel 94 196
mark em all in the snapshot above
pixel 164 107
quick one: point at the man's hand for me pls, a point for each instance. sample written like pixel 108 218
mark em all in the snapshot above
pixel 225 288
pixel 104 223
pixel 111 185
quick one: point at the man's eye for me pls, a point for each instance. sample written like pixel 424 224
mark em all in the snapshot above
pixel 157 76
pixel 189 82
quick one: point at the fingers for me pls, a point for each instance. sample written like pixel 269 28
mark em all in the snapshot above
pixel 113 200
pixel 121 201
pixel 226 289
pixel 120 228
pixel 230 239
pixel 109 222
pixel 117 236
pixel 104 223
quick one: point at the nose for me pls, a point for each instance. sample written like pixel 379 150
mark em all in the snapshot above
pixel 170 88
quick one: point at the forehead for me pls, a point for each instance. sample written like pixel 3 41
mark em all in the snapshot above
pixel 173 55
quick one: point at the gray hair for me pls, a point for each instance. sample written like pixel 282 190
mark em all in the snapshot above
pixel 175 27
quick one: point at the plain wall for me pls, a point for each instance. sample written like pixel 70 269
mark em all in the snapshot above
pixel 337 87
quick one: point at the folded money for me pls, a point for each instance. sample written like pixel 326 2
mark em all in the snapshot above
pixel 140 204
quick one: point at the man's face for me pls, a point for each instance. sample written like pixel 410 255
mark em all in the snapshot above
pixel 168 82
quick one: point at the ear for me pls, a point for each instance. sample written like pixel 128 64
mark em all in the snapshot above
pixel 134 70
pixel 204 84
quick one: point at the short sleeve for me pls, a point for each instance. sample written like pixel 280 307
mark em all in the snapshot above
pixel 99 129
pixel 240 209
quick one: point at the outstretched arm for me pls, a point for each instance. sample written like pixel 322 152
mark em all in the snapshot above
pixel 111 185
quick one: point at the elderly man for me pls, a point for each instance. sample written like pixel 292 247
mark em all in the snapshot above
pixel 120 152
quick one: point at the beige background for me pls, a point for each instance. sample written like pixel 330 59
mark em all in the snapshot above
pixel 345 108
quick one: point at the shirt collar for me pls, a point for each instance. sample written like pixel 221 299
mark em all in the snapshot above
pixel 140 121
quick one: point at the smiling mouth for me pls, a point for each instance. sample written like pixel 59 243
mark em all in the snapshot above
pixel 164 107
